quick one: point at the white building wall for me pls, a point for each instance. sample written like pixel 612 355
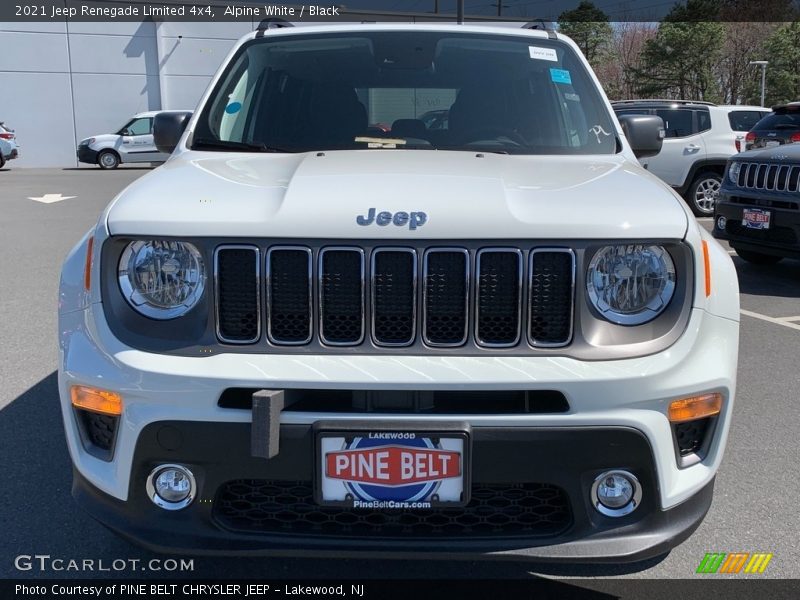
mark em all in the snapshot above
pixel 60 83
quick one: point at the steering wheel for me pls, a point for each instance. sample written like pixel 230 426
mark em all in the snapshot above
pixel 493 133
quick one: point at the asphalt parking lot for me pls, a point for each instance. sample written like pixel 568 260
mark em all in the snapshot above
pixel 755 507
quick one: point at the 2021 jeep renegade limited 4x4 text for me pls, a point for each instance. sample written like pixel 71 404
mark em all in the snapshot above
pixel 307 334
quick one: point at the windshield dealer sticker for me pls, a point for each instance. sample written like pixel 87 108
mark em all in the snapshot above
pixel 233 108
pixel 543 53
pixel 560 76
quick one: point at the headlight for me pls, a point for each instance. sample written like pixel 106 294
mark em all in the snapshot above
pixel 631 285
pixel 733 172
pixel 162 279
pixel 87 142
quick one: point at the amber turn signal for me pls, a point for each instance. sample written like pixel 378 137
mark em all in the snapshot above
pixel 99 401
pixel 696 407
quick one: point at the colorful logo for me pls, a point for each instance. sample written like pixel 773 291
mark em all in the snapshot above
pixel 409 470
pixel 735 562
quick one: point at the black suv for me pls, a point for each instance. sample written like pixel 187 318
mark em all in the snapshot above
pixel 758 209
pixel 782 126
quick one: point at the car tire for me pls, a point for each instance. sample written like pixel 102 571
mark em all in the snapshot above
pixel 757 258
pixel 108 159
pixel 702 194
pixel 2 161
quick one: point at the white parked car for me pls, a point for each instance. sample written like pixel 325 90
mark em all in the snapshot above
pixel 700 138
pixel 132 143
pixel 499 337
pixel 9 150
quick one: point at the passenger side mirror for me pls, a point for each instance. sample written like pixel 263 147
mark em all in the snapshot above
pixel 645 133
pixel 168 129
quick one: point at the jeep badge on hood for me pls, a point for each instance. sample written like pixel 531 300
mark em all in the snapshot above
pixel 400 218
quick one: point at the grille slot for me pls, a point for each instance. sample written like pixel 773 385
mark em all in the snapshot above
pixel 499 297
pixel 551 296
pixel 496 510
pixel 446 296
pixel 394 296
pixel 237 294
pixel 289 295
pixel 341 296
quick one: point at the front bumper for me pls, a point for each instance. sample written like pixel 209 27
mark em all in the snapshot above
pixel 567 458
pixel 616 419
pixel 783 236
pixel 87 155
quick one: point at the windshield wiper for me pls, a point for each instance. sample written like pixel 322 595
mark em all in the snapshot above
pixel 230 146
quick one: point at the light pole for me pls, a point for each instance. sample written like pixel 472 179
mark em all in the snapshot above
pixel 763 64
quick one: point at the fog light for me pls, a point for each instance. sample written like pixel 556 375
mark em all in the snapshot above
pixel 721 223
pixel 171 487
pixel 616 493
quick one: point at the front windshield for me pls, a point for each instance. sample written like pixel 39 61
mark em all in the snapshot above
pixel 406 89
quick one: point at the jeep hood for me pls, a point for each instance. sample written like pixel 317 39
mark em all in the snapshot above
pixel 463 195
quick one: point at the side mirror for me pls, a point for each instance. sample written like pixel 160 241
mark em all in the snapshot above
pixel 645 133
pixel 124 132
pixel 168 129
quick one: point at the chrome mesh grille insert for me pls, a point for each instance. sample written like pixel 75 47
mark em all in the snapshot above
pixel 394 296
pixel 289 295
pixel 238 310
pixel 552 281
pixel 499 297
pixel 446 296
pixel 341 296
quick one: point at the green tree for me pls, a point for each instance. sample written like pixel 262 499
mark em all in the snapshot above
pixel 678 62
pixel 588 26
pixel 782 50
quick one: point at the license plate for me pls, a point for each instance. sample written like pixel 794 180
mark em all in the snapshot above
pixel 392 469
pixel 772 144
pixel 755 218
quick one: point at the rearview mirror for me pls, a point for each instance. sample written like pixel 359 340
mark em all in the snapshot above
pixel 168 129
pixel 645 133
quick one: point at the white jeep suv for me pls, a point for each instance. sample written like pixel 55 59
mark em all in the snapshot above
pixel 700 138
pixel 499 338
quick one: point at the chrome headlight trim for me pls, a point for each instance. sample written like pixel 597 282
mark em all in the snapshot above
pixel 624 284
pixel 188 274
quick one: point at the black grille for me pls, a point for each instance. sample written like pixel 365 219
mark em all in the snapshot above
pixel 394 296
pixel 333 295
pixel 342 296
pixel 551 293
pixel 237 294
pixel 781 178
pixel 690 435
pixel 289 294
pixel 446 284
pixel 495 510
pixel 779 235
pixel 99 429
pixel 499 287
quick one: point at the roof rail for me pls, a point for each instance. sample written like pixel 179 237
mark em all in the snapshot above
pixel 542 25
pixel 663 101
pixel 270 23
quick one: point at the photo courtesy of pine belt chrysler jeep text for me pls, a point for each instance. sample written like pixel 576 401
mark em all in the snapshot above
pixel 308 334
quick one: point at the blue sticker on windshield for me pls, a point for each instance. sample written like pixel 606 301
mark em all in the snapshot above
pixel 233 108
pixel 560 76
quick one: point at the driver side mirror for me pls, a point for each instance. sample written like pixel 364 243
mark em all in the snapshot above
pixel 125 132
pixel 645 133
pixel 168 129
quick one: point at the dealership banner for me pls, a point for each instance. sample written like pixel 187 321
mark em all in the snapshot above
pixel 418 589
pixel 385 10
